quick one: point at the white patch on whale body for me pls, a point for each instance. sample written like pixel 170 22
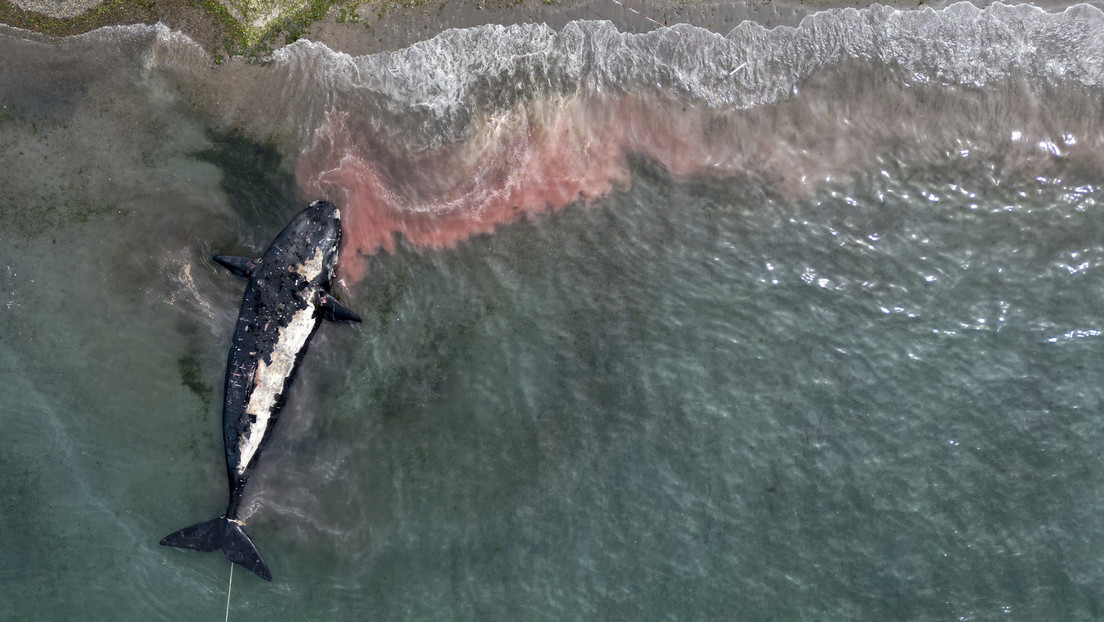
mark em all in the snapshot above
pixel 270 379
pixel 312 267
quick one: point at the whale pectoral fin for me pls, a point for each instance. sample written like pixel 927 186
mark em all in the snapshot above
pixel 241 266
pixel 334 311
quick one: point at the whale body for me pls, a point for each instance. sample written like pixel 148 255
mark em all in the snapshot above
pixel 284 303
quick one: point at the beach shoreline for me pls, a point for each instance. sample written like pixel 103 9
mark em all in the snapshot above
pixel 257 27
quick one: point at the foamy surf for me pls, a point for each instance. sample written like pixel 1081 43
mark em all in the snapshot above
pixel 476 128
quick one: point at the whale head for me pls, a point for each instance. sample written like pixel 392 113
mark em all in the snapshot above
pixel 309 244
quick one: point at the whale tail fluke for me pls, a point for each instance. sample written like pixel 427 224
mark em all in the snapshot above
pixel 221 534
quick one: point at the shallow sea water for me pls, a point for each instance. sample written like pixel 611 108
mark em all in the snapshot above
pixel 827 351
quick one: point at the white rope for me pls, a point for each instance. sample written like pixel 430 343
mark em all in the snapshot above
pixel 229 586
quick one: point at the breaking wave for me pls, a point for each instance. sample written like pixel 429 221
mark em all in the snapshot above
pixel 457 135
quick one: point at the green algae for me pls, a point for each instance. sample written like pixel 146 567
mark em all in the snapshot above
pixel 254 175
pixel 191 376
pixel 248 28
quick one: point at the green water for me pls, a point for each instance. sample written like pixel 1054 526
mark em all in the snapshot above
pixel 702 398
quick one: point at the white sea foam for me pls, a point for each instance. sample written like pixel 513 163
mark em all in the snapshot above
pixel 752 65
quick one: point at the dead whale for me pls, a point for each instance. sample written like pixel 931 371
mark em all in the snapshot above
pixel 285 301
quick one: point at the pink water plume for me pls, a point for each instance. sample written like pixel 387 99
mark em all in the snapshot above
pixel 535 158
pixel 546 153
